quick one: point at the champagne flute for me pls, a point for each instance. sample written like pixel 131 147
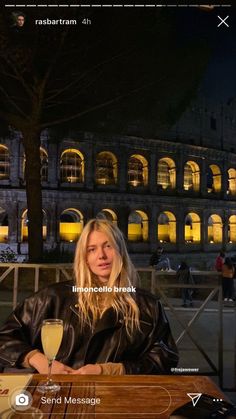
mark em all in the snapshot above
pixel 51 336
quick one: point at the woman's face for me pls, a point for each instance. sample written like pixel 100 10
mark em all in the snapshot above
pixel 100 255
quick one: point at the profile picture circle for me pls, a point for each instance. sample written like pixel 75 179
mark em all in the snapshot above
pixel 18 19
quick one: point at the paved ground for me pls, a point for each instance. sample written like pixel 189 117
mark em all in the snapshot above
pixel 206 332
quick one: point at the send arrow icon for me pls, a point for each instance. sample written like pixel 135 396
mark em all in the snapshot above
pixel 194 397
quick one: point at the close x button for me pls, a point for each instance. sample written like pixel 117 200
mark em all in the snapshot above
pixel 223 21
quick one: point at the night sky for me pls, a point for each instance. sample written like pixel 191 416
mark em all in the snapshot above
pixel 217 81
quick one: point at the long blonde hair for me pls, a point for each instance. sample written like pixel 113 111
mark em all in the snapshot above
pixel 122 275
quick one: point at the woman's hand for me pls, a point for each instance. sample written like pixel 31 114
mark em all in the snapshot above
pixel 40 363
pixel 93 369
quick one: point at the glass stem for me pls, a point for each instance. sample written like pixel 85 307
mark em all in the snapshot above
pixel 49 380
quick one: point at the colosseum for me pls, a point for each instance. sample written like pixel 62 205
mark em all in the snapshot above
pixel 177 191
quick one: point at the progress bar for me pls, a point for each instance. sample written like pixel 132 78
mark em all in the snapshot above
pixel 117 5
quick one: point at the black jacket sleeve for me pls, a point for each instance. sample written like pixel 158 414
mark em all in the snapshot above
pixel 21 333
pixel 161 353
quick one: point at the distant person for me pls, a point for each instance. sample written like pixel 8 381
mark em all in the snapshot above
pixel 160 261
pixel 184 276
pixel 228 271
pixel 220 261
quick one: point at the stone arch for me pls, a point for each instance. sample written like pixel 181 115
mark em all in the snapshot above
pixel 137 170
pixel 213 179
pixel 166 227
pixel 138 226
pixel 231 181
pixel 71 225
pixel 24 225
pixel 4 162
pixel 166 173
pixel 215 229
pixel 232 229
pixel 191 176
pixel 71 166
pixel 106 168
pixel 4 229
pixel 44 164
pixel 107 214
pixel 192 228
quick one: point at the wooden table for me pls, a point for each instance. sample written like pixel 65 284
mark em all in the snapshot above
pixel 131 397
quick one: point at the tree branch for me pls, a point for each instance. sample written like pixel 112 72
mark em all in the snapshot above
pixel 13 120
pixel 82 76
pixel 13 103
pixel 19 77
pixel 99 106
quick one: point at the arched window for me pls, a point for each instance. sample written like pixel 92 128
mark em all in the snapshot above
pixel 192 228
pixel 44 165
pixel 166 229
pixel 232 229
pixel 191 176
pixel 166 173
pixel 231 182
pixel 137 171
pixel 213 179
pixel 138 226
pixel 107 214
pixel 106 168
pixel 3 226
pixel 24 226
pixel 71 225
pixel 72 166
pixel 4 162
pixel 215 228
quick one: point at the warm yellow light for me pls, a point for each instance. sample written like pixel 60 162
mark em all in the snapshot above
pixel 134 232
pixel 163 232
pixel 70 232
pixel 102 181
pixel 3 234
pixel 25 233
pixel 134 182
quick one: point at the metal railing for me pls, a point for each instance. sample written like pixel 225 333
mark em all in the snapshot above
pixel 161 282
pixel 63 270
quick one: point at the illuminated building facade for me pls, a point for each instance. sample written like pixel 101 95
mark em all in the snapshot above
pixel 158 192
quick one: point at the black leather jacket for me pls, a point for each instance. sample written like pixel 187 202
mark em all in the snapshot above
pixel 150 351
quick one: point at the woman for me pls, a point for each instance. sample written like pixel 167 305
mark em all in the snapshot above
pixel 113 331
pixel 227 280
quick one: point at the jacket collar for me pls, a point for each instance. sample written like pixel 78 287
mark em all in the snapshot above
pixel 108 320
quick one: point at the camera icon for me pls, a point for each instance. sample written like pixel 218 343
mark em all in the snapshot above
pixel 22 400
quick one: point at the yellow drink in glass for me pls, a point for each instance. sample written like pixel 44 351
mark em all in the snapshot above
pixel 51 336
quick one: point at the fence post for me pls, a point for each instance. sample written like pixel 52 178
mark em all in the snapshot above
pixel 36 279
pixel 15 286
